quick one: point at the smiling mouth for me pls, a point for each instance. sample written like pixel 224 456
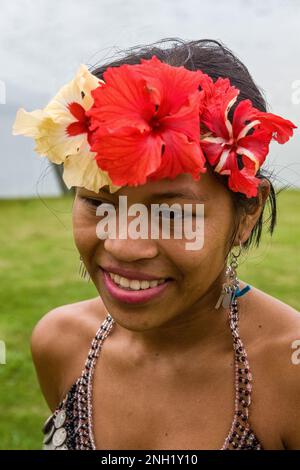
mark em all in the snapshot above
pixel 135 284
pixel 131 290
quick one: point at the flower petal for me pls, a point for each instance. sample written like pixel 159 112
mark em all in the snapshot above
pixel 281 128
pixel 78 91
pixel 256 144
pixel 180 156
pixel 243 113
pixel 28 123
pixel 212 151
pixel 186 120
pixel 87 82
pixel 175 84
pixel 244 180
pixel 83 171
pixel 128 158
pixel 217 103
pixel 51 140
pixel 123 100
pixel 55 144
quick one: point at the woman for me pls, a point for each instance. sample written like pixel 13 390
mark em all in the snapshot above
pixel 193 357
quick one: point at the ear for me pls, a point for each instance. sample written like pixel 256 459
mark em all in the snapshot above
pixel 250 218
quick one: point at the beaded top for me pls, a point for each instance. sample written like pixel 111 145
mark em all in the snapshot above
pixel 71 424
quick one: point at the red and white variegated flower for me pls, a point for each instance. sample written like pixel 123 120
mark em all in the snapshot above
pixel 238 147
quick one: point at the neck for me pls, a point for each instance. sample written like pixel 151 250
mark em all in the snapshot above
pixel 199 326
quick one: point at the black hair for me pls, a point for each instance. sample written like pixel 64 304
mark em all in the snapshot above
pixel 216 60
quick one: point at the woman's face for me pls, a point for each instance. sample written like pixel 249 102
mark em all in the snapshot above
pixel 186 277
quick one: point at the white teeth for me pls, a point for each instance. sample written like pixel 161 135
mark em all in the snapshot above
pixel 135 284
pixel 145 284
pixel 124 282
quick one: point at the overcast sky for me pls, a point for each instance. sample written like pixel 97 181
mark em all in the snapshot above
pixel 42 43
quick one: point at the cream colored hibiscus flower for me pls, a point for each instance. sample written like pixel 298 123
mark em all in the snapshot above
pixel 60 131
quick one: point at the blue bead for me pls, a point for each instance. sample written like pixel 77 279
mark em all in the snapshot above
pixel 239 292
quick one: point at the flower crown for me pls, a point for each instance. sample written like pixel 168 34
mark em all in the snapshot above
pixel 150 121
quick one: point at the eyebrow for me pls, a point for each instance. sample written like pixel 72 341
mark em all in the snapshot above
pixel 186 194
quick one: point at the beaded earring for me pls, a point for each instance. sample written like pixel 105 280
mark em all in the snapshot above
pixel 231 286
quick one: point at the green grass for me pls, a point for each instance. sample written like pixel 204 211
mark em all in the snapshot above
pixel 39 270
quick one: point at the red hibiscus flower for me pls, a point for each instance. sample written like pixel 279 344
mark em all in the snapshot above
pixel 238 148
pixel 146 124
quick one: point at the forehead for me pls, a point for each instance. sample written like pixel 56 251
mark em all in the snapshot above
pixel 181 187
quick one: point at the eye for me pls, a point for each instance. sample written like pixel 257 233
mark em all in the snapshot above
pixel 171 214
pixel 92 202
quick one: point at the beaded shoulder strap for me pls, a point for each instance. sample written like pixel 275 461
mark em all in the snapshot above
pixel 84 431
pixel 68 426
pixel 240 435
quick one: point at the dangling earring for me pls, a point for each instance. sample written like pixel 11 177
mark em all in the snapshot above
pixel 230 287
pixel 83 273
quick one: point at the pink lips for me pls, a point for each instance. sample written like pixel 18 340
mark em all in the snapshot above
pixel 131 296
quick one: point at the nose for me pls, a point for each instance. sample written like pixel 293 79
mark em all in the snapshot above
pixel 131 249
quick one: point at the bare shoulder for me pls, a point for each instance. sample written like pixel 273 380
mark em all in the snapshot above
pixel 59 345
pixel 271 329
pixel 271 318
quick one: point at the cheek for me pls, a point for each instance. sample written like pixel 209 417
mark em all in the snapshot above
pixel 84 223
pixel 207 262
pixel 218 231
